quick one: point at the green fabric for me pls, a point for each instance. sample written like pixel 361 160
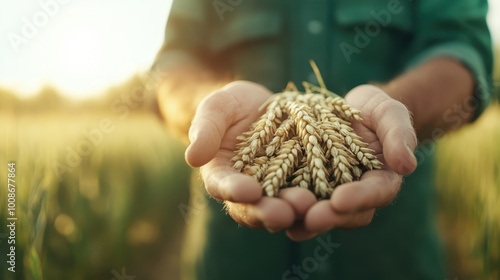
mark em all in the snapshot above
pixel 353 42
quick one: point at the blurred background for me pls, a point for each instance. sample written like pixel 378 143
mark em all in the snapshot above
pixel 75 95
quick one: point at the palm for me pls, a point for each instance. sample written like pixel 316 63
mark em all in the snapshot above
pixel 229 112
pixel 386 127
pixel 220 118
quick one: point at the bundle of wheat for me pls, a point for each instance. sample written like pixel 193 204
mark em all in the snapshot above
pixel 304 140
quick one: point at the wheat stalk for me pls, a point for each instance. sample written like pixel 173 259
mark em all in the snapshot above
pixel 304 140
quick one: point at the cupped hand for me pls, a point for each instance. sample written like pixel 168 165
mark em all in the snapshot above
pixel 219 119
pixel 387 127
pixel 228 112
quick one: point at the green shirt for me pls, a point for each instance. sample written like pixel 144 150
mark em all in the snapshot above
pixel 353 42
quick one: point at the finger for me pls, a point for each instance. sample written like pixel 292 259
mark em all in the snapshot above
pixel 208 128
pixel 233 108
pixel 224 182
pixel 270 213
pixel 322 217
pixel 391 121
pixel 376 189
pixel 298 232
pixel 300 199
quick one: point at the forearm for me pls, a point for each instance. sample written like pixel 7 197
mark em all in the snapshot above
pixel 433 92
pixel 181 92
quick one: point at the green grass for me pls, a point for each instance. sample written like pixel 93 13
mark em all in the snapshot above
pixel 117 208
pixel 468 180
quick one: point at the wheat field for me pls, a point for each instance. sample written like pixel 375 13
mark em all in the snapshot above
pixel 468 182
pixel 117 208
pixel 92 211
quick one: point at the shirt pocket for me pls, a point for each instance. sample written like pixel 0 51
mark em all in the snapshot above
pixel 373 15
pixel 249 44
pixel 243 27
pixel 374 34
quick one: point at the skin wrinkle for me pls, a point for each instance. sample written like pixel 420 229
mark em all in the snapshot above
pixel 380 113
pixel 315 220
pixel 266 207
pixel 370 181
pixel 227 114
pixel 217 178
pixel 387 136
pixel 370 138
pixel 379 108
pixel 243 216
pixel 392 181
pixel 380 104
pixel 444 81
pixel 332 219
pixel 295 195
pixel 238 113
pixel 419 88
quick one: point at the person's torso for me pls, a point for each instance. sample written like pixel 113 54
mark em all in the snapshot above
pixel 272 41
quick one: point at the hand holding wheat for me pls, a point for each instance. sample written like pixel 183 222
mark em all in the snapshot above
pixel 305 140
pixel 227 113
pixel 388 129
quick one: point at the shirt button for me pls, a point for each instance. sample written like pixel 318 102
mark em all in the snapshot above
pixel 315 27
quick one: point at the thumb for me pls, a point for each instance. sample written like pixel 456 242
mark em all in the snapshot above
pixel 391 121
pixel 208 128
pixel 397 135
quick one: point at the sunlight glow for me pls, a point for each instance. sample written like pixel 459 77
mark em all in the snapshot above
pixel 494 19
pixel 80 55
pixel 80 47
pixel 84 47
pixel 83 50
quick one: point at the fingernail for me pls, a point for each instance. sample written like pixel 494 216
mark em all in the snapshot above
pixel 271 227
pixel 271 230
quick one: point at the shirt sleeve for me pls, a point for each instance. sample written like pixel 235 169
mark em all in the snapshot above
pixel 456 29
pixel 184 36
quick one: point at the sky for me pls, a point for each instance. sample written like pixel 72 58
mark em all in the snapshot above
pixel 83 47
pixel 494 19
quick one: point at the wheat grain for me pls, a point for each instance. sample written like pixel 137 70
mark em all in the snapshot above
pixel 257 168
pixel 284 131
pixel 281 167
pixel 308 132
pixel 302 177
pixel 261 133
pixel 304 140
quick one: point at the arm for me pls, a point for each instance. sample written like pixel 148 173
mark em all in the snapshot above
pixel 227 112
pixel 430 91
pixel 180 93
pixel 222 113
pixel 394 114
pixel 447 83
pixel 181 64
